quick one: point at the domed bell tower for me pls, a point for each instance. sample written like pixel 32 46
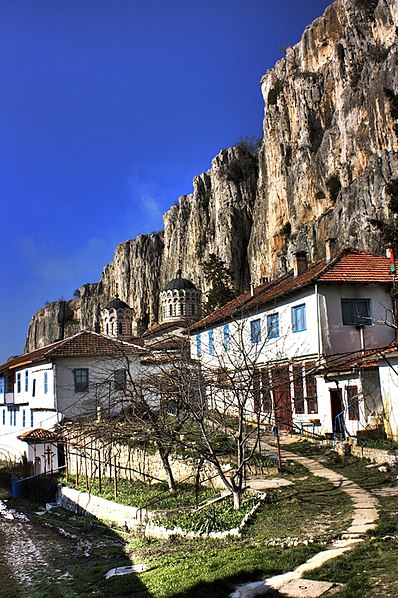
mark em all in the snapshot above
pixel 179 300
pixel 116 320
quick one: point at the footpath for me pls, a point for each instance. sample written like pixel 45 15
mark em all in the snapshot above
pixel 293 584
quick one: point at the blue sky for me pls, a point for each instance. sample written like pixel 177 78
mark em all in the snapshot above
pixel 108 109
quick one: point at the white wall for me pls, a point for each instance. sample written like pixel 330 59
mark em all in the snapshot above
pixel 288 345
pixel 347 338
pixel 388 371
pixel 102 390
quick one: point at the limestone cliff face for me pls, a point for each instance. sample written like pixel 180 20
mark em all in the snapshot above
pixel 330 135
pixel 215 218
pixel 330 146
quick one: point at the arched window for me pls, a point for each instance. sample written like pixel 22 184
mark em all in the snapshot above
pixel 120 328
pixel 107 329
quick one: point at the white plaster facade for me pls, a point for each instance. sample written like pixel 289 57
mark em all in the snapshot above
pixel 299 329
pixel 40 389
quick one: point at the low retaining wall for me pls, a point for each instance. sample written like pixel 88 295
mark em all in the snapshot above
pixel 376 455
pixel 84 503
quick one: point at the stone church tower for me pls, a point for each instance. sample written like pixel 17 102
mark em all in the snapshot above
pixel 179 300
pixel 116 320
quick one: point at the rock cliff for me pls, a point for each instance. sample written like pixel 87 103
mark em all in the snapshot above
pixel 329 147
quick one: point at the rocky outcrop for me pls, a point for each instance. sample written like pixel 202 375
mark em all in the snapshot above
pixel 329 147
pixel 330 136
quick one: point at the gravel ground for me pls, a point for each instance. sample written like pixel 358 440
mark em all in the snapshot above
pixel 30 552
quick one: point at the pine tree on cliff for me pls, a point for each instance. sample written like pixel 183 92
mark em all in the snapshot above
pixel 219 279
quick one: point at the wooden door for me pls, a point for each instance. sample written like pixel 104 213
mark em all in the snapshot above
pixel 282 399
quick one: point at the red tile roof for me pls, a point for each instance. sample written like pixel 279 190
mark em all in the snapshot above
pixel 367 359
pixel 163 326
pixel 83 343
pixel 349 266
pixel 39 435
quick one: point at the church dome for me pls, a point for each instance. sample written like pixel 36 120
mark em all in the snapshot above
pixel 179 284
pixel 117 304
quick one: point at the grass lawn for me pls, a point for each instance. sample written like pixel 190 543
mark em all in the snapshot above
pixel 294 523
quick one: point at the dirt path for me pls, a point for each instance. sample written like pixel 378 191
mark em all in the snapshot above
pixel 365 515
pixel 30 551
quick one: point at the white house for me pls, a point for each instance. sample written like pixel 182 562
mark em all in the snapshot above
pixel 289 329
pixel 81 376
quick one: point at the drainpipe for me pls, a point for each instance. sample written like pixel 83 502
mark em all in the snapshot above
pixel 319 325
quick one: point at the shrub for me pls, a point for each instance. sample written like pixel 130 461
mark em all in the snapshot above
pixel 274 92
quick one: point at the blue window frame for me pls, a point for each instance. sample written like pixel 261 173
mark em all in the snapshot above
pixel 34 387
pixel 255 331
pixel 198 345
pixel 273 325
pixel 23 418
pixel 45 383
pixel 19 382
pixel 226 337
pixel 26 380
pixel 81 379
pixel 298 318
pixel 211 342
pixel 31 418
pixel 2 385
pixel 10 417
pixel 4 417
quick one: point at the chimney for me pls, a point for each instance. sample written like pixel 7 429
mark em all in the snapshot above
pixel 300 264
pixel 331 247
pixel 252 289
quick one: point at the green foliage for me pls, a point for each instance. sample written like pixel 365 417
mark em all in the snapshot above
pixel 250 145
pixel 274 92
pixel 218 277
pixel 139 494
pixel 380 443
pixel 218 517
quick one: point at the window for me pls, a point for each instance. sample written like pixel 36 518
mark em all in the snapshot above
pixel 352 400
pixel 4 417
pixel 120 328
pixel 211 342
pixel 298 318
pixel 356 312
pixel 2 385
pixel 81 379
pixel 261 392
pixel 45 383
pixel 255 331
pixel 31 418
pixel 198 345
pixel 298 389
pixel 13 417
pixel 23 418
pixel 19 382
pixel 273 325
pixel 310 391
pixel 34 387
pixel 226 337
pixel 26 380
pixel 120 379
